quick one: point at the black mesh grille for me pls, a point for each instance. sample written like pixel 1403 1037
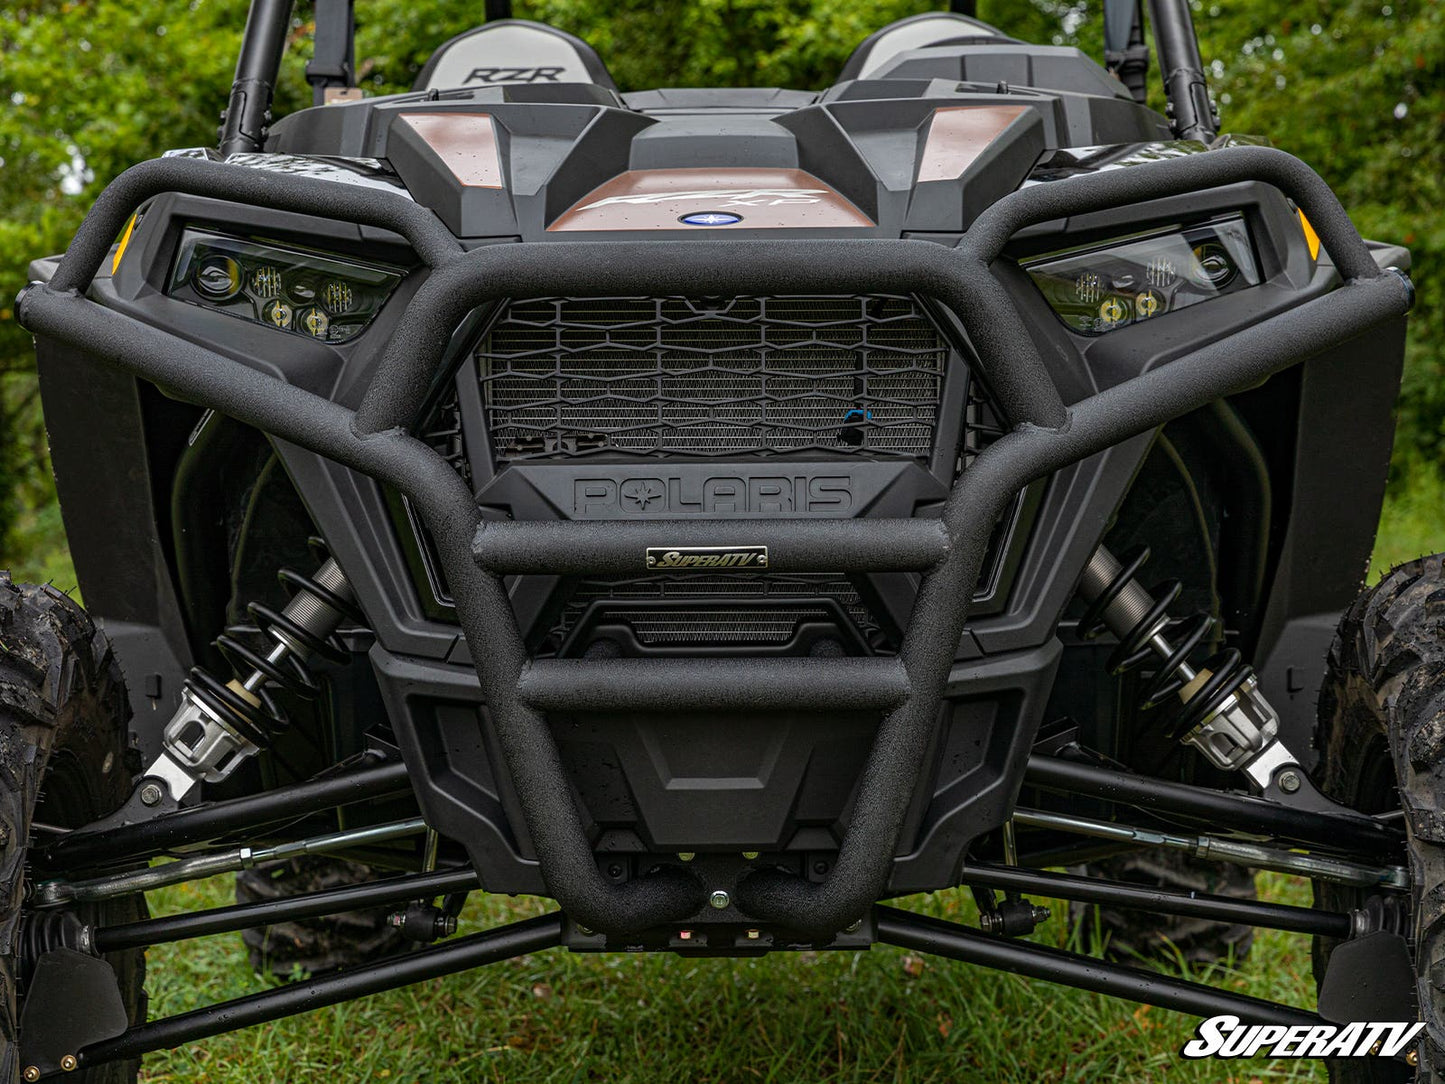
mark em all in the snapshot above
pixel 563 377
pixel 736 610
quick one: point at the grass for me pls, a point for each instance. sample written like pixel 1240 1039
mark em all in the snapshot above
pixel 1412 522
pixel 876 1016
pixel 41 555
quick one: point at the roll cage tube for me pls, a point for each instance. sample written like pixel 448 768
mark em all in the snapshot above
pixel 1046 436
pixel 1191 113
pixel 245 119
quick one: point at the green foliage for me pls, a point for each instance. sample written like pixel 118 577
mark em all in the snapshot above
pixel 91 89
pixel 1357 89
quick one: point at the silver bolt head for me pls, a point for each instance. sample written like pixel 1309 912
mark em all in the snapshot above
pixel 686 856
pixel 1289 781
pixel 719 899
pixel 150 794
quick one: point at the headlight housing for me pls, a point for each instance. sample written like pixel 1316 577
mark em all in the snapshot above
pixel 1106 287
pixel 292 289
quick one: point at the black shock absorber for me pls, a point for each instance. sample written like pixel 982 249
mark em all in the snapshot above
pixel 1220 709
pixel 221 723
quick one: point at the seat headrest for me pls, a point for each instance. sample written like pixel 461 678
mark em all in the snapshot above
pixel 916 32
pixel 511 51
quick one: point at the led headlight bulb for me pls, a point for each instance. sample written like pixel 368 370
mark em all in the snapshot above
pixel 266 281
pixel 337 297
pixel 218 277
pixel 315 323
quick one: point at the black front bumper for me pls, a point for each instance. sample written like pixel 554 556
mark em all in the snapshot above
pixel 948 553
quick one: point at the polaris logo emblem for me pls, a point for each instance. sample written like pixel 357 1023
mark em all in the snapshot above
pixel 708 558
pixel 711 218
pixel 767 494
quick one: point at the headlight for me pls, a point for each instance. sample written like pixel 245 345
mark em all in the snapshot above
pixel 1105 288
pixel 287 288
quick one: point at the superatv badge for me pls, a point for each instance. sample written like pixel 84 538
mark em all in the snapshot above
pixel 706 558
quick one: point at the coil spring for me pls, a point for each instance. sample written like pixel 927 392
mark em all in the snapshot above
pixel 245 648
pixel 1228 670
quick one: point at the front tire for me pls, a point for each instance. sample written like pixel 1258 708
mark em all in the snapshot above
pixel 1381 739
pixel 63 762
pixel 314 946
pixel 1128 936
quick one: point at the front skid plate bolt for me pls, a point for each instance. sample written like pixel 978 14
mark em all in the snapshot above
pixel 854 927
pixel 150 794
pixel 1412 1058
pixel 1289 781
pixel 720 899
pixel 686 856
pixel 32 1073
pixel 751 856
pixel 753 935
pixel 68 1063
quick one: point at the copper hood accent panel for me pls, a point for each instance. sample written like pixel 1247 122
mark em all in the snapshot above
pixel 958 135
pixel 762 199
pixel 465 142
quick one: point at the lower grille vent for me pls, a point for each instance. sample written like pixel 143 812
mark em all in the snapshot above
pixel 762 612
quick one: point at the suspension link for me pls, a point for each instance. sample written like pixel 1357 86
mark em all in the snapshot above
pixel 197 867
pixel 1235 852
